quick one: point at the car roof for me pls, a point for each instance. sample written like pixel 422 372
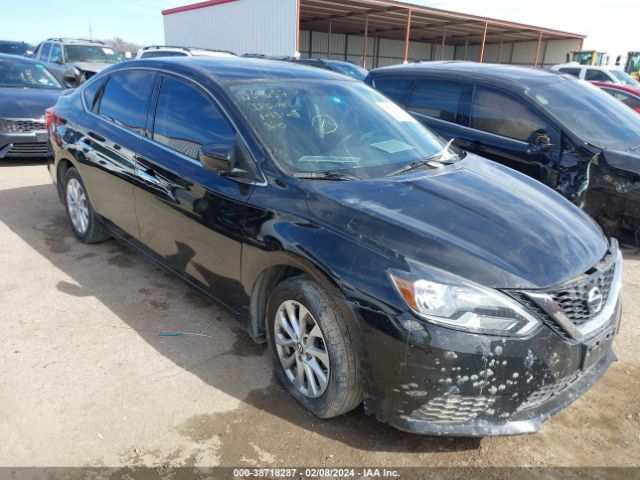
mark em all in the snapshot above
pixel 234 68
pixel 512 75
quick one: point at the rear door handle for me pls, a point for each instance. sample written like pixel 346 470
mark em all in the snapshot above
pixel 149 176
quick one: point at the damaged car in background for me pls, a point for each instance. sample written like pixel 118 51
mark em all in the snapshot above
pixel 74 61
pixel 27 88
pixel 450 294
pixel 561 131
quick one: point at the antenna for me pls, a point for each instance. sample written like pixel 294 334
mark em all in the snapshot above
pixel 90 31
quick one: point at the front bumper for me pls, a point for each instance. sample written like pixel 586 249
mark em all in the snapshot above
pixel 437 381
pixel 22 145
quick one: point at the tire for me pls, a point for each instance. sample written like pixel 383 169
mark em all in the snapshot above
pixel 89 229
pixel 343 389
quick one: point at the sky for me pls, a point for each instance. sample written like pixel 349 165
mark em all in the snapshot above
pixel 610 26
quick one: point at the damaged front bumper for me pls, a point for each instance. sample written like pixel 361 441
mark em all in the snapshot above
pixel 431 380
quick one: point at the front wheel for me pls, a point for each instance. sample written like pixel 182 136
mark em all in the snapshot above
pixel 84 222
pixel 311 348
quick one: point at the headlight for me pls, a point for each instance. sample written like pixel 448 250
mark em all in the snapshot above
pixel 445 299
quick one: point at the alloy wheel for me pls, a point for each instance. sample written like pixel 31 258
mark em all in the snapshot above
pixel 302 349
pixel 77 206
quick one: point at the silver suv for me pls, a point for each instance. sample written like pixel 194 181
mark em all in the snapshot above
pixel 155 51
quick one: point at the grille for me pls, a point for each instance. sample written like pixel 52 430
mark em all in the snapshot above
pixel 573 300
pixel 545 392
pixel 20 126
pixel 29 149
pixel 572 297
pixel 452 408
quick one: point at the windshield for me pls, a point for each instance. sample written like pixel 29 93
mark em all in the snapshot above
pixel 26 75
pixel 590 113
pixel 583 58
pixel 624 78
pixel 90 53
pixel 324 126
pixel 353 71
pixel 14 48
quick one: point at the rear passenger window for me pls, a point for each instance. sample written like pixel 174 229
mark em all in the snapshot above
pixel 44 54
pixel 596 76
pixel 125 99
pixel 571 71
pixel 394 88
pixel 186 119
pixel 498 113
pixel 436 98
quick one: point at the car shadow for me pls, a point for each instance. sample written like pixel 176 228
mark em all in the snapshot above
pixel 98 271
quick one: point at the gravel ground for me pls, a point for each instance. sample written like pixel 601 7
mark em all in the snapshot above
pixel 86 379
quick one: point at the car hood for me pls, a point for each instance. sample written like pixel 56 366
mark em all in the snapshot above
pixel 26 102
pixel 476 219
pixel 628 160
pixel 91 66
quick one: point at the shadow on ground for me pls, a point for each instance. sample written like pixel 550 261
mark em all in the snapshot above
pixel 266 412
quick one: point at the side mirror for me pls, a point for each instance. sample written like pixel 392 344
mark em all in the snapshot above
pixel 539 141
pixel 59 61
pixel 218 157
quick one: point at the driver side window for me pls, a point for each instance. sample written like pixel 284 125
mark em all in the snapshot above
pixel 496 112
pixel 186 119
pixel 56 53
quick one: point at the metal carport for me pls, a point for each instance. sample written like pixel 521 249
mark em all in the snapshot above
pixel 380 32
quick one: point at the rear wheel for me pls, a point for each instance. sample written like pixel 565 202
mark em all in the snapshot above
pixel 311 348
pixel 84 222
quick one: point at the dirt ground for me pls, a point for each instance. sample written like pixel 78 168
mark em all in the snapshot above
pixel 87 380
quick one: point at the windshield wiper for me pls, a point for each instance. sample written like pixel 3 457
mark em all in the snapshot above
pixel 326 175
pixel 429 161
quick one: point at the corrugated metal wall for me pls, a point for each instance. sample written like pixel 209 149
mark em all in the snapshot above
pixel 552 52
pixel 246 26
pixel 382 52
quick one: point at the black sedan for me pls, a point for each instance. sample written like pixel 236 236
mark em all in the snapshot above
pixel 27 89
pixel 450 294
pixel 559 130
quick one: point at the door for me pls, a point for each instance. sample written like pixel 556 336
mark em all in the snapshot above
pixel 505 129
pixel 438 104
pixel 114 126
pixel 190 216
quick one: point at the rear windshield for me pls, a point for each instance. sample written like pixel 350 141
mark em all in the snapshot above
pixel 590 113
pixel 353 71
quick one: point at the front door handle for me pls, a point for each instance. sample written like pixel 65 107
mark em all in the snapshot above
pixel 148 176
pixel 86 145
